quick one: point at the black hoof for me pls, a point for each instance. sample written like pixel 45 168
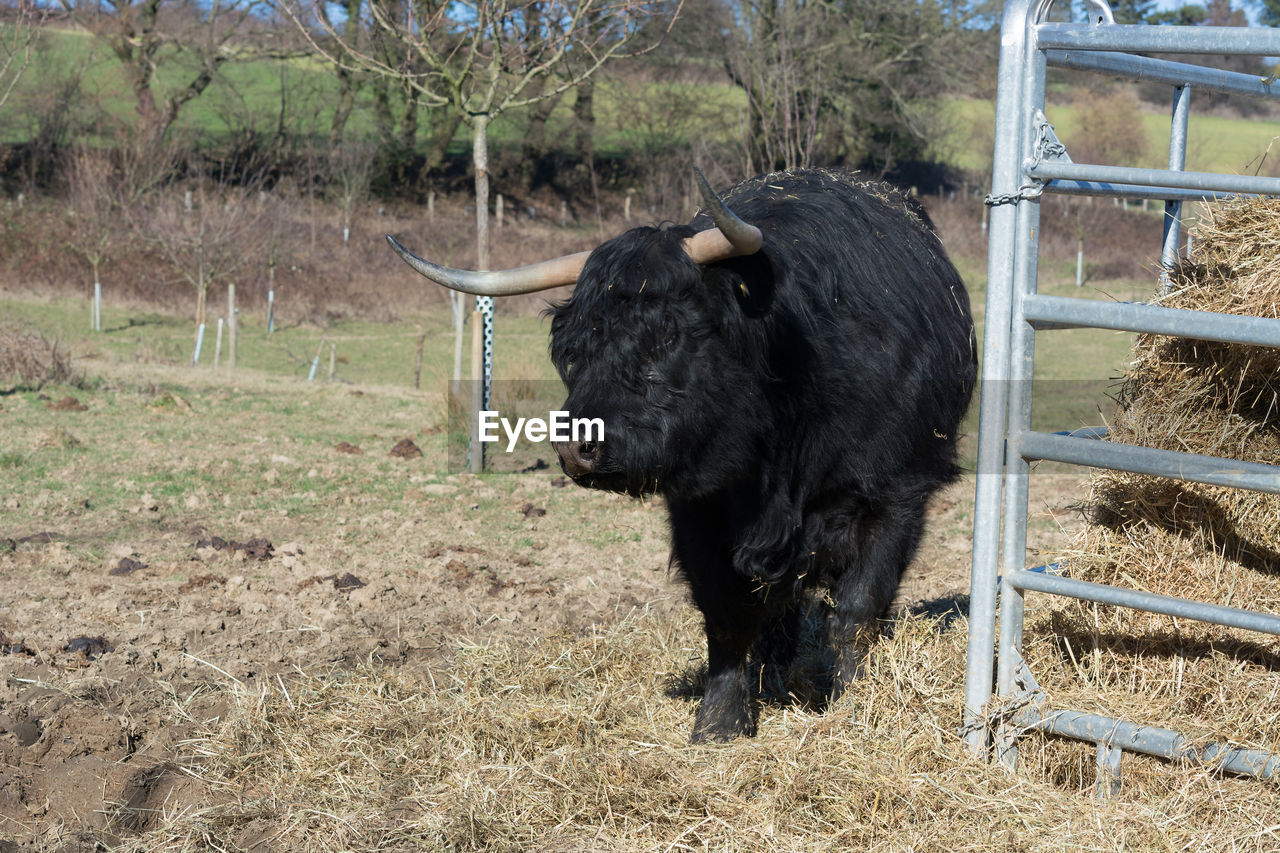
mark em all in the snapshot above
pixel 722 725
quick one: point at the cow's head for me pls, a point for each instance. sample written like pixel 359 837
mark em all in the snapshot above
pixel 642 345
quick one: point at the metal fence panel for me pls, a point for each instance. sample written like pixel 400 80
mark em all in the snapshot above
pixel 1029 160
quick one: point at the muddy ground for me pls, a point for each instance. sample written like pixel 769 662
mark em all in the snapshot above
pixel 168 536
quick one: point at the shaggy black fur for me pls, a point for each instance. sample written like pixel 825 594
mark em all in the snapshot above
pixel 796 408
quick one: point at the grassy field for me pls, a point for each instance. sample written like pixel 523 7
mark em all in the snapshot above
pixel 511 667
pixel 1214 144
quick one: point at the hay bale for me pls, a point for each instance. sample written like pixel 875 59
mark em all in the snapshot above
pixel 1199 542
pixel 1203 397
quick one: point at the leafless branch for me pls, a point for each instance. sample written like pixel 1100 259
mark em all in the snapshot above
pixel 17 43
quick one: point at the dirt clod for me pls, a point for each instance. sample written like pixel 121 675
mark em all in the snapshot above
pixel 347 582
pixel 201 581
pixel 90 647
pixel 127 566
pixel 531 511
pixel 349 448
pixel 406 449
pixel 256 548
pixel 68 404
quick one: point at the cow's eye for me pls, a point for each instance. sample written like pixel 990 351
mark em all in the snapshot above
pixel 567 363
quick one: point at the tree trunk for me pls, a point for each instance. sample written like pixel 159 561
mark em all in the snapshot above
pixel 346 103
pixel 484 304
pixel 584 121
pixel 480 157
pixel 346 79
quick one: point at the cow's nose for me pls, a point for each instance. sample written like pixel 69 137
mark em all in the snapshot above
pixel 578 458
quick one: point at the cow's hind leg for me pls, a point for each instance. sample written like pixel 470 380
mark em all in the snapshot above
pixel 886 537
pixel 775 650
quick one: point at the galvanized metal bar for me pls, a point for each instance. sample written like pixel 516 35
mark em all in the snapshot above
pixel 1181 608
pixel 1006 177
pixel 1177 162
pixel 1134 191
pixel 1066 312
pixel 1017 471
pixel 1148 69
pixel 1108 783
pixel 1177 465
pixel 1143 38
pixel 1009 658
pixel 1047 170
pixel 1162 743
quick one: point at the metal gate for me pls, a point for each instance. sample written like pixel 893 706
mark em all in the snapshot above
pixel 1029 161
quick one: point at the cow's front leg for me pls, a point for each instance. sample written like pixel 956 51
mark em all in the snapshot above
pixel 726 710
pixel 731 612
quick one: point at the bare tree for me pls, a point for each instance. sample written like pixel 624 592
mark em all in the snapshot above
pixel 192 40
pixel 477 58
pixel 350 167
pixel 213 242
pixel 843 82
pixel 93 194
pixel 17 44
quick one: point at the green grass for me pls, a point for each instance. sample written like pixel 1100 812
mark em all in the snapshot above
pixel 1214 143
pixel 1076 370
pixel 365 352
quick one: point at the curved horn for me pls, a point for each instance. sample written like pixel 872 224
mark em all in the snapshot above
pixel 548 274
pixel 730 238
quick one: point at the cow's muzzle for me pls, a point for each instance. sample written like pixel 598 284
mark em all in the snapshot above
pixel 579 458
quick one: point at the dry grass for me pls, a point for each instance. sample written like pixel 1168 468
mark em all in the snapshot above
pixel 579 743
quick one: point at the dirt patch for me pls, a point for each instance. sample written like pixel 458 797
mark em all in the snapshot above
pixel 67 404
pixel 126 566
pixel 199 582
pixel 256 548
pixel 406 449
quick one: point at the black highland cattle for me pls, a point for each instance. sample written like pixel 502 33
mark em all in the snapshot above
pixel 789 371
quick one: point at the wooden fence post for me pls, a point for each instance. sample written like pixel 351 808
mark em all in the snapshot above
pixel 231 325
pixel 417 359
